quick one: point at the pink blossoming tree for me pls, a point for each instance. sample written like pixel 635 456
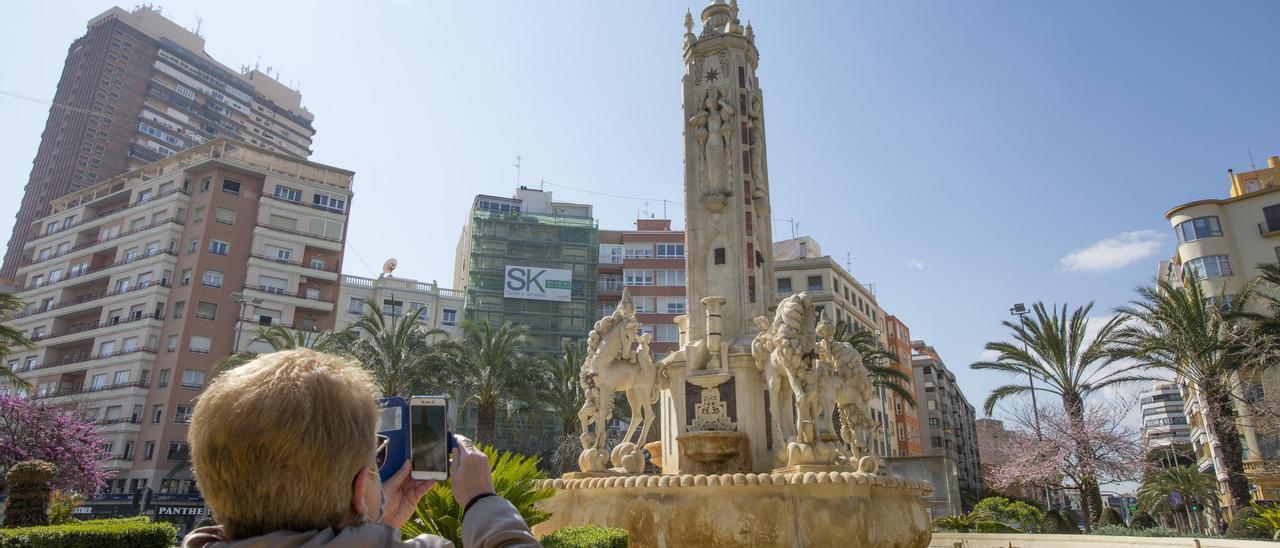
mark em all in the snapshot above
pixel 31 430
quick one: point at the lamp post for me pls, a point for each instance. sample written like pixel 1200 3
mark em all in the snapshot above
pixel 1019 310
pixel 238 297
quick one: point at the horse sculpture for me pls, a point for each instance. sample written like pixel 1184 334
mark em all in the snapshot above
pixel 613 365
pixel 848 389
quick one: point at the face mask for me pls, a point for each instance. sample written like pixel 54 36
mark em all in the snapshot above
pixel 382 507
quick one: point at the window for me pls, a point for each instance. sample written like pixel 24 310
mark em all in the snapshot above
pixel 933 405
pixel 317 263
pixel 673 305
pixel 200 345
pixel 1200 227
pixel 219 247
pixel 449 317
pixel 157 411
pixel 670 251
pixel 1209 266
pixel 112 413
pixel 424 311
pixel 55 275
pixel 130 254
pixel 355 306
pixel 108 347
pixel 667 333
pixel 182 414
pixel 212 278
pixel 193 245
pixel 192 378
pixel 231 186
pixel 129 344
pixel 272 284
pixel 610 254
pixel 282 254
pixel 206 311
pixel 331 202
pixel 638 251
pixel 933 422
pixel 670 277
pixel 226 216
pixel 326 229
pixel 204 184
pixel 313 293
pixel 186 277
pixel 815 283
pixel 645 305
pixel 784 285
pixel 185 91
pixel 935 441
pixel 148 450
pixel 283 223
pixel 62 248
pixel 719 252
pixel 177 451
pixel 287 193
pixel 637 277
pixel 164 378
pixel 392 307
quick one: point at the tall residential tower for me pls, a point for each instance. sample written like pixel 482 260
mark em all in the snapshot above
pixel 136 88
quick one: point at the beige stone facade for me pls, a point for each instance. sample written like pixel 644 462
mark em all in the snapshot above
pixel 395 296
pixel 129 289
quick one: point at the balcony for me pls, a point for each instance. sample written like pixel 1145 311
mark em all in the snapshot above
pixel 302 300
pixel 36 234
pixel 313 240
pixel 328 272
pixel 101 268
pixel 84 389
pixel 92 357
pixel 610 286
pixel 1262 470
pixel 96 324
pixel 82 299
pixel 87 245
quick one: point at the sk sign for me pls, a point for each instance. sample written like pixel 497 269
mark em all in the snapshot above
pixel 542 284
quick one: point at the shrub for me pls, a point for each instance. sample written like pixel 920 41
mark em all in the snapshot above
pixel 107 533
pixel 1121 531
pixel 1241 528
pixel 1054 524
pixel 993 527
pixel 1110 516
pixel 591 536
pixel 1267 520
pixel 1013 512
pixel 1070 520
pixel 1142 520
pixel 62 505
pixel 515 477
pixel 28 502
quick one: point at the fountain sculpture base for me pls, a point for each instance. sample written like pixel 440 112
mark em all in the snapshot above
pixel 761 510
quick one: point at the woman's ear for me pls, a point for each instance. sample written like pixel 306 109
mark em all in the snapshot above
pixel 359 487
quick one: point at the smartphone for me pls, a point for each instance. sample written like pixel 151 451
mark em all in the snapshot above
pixel 429 437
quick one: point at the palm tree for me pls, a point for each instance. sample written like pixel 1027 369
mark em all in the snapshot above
pixel 399 352
pixel 1052 349
pixel 283 338
pixel 566 396
pixel 1178 328
pixel 11 338
pixel 1187 481
pixel 877 359
pixel 496 375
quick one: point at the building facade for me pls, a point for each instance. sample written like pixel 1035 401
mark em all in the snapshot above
pixel 799 265
pixel 1164 421
pixel 948 420
pixel 649 262
pixel 1224 240
pixel 136 88
pixel 439 308
pixel 134 288
pixel 906 415
pixel 529 230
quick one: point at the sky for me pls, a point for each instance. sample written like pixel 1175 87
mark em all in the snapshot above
pixel 960 157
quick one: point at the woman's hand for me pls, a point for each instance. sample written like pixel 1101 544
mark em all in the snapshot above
pixel 470 475
pixel 403 495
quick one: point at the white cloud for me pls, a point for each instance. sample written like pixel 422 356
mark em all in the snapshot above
pixel 916 264
pixel 1115 252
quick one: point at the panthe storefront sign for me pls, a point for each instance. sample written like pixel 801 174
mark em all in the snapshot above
pixel 541 284
pixel 170 510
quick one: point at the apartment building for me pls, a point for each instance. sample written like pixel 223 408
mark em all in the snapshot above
pixel 1164 421
pixel 649 261
pixel 906 416
pixel 1224 240
pixel 134 288
pixel 511 247
pixel 799 265
pixel 949 422
pixel 136 88
pixel 439 308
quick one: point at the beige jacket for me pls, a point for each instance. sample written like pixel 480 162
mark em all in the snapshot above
pixel 491 523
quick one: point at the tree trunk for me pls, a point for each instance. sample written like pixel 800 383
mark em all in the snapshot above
pixel 486 422
pixel 1090 495
pixel 1222 414
pixel 569 425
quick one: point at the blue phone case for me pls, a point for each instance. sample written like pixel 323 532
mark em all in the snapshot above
pixel 394 424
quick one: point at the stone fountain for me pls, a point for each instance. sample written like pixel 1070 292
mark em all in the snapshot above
pixel 765 419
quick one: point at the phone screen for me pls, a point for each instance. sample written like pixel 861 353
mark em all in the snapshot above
pixel 430 438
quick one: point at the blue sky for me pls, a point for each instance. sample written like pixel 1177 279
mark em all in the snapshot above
pixel 958 152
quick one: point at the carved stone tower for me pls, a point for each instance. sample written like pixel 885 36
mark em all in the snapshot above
pixel 726 183
pixel 714 415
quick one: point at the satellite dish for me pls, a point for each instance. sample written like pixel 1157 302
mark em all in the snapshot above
pixel 389 267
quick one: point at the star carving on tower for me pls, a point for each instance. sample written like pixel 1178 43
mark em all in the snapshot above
pixel 712 75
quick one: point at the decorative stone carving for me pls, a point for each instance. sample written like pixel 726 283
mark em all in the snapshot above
pixel 849 389
pixel 613 365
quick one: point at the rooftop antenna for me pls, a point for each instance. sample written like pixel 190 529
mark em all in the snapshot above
pixel 848 262
pixel 1252 166
pixel 664 208
pixel 517 164
pixel 542 184
pixel 872 288
pixel 199 23
pixel 257 62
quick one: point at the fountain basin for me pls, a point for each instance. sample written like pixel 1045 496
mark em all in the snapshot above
pixel 713 452
pixel 800 509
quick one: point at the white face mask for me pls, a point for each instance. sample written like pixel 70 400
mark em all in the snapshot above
pixel 382 506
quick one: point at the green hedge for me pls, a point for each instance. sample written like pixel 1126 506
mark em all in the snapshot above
pixel 591 536
pixel 104 533
pixel 1122 531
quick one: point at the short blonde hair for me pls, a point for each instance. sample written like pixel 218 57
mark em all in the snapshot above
pixel 275 443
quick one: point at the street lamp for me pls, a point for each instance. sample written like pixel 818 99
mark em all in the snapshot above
pixel 1019 310
pixel 238 297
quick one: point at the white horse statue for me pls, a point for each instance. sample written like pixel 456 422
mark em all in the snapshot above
pixel 849 389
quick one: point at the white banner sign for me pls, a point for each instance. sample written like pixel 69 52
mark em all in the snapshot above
pixel 542 284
